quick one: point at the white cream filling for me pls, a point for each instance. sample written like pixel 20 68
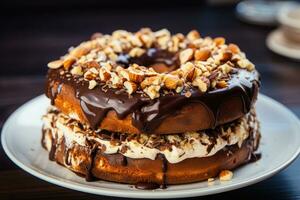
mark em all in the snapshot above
pixel 193 145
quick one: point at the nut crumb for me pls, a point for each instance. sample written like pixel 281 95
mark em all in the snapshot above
pixel 203 62
pixel 186 55
pixel 193 35
pixel 77 70
pixel 188 94
pixel 202 54
pixel 210 180
pixel 130 87
pixel 68 62
pixel 225 175
pixel 92 84
pixel 55 64
pixel 198 82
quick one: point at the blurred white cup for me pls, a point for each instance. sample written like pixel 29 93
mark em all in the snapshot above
pixel 289 19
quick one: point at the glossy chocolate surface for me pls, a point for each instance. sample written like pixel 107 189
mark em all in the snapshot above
pixel 147 114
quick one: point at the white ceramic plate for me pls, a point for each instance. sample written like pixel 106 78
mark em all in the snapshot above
pixel 277 43
pixel 280 145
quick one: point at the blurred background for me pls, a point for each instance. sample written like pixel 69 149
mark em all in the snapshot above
pixel 35 32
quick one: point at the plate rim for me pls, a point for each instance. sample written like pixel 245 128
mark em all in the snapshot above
pixel 144 193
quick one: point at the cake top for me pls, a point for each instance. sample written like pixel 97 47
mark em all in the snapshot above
pixel 154 63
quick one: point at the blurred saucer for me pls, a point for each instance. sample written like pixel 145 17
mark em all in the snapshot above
pixel 261 12
pixel 278 43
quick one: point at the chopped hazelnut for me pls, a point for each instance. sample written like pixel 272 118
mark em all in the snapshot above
pixel 79 51
pixel 219 41
pixel 202 54
pixel 92 64
pixel 113 56
pixel 193 35
pixel 225 175
pixel 104 74
pixel 210 180
pixel 171 81
pixel 191 75
pixel 89 75
pixel 233 48
pixel 162 33
pixel 55 64
pixel 130 87
pixel 68 62
pixel 227 55
pixel 179 88
pixel 136 52
pixel 187 67
pixel 77 70
pixel 116 80
pixel 116 46
pixel 225 68
pixel 222 84
pixel 245 63
pixel 135 76
pixel 92 84
pixel 152 91
pixel 188 94
pixel 198 82
pixel 93 70
pixel 147 40
pixel 136 41
pixel 186 55
pixel 152 80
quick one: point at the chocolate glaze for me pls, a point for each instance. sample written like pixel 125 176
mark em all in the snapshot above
pixel 255 157
pixel 124 160
pixel 164 168
pixel 53 149
pixel 43 138
pixel 147 114
pixel 212 138
pixel 89 174
pixel 67 155
pixel 55 92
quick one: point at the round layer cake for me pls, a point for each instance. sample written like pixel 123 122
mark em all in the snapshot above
pixel 121 83
pixel 151 108
pixel 144 158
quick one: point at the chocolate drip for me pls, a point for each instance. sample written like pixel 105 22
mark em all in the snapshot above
pixel 147 114
pixel 164 168
pixel 146 186
pixel 255 157
pixel 212 139
pixel 89 175
pixel 44 131
pixel 53 149
pixel 124 160
pixel 67 156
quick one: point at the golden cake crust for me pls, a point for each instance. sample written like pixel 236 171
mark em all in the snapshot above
pixel 192 117
pixel 118 168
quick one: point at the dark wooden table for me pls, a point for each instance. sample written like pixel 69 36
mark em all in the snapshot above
pixel 31 35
